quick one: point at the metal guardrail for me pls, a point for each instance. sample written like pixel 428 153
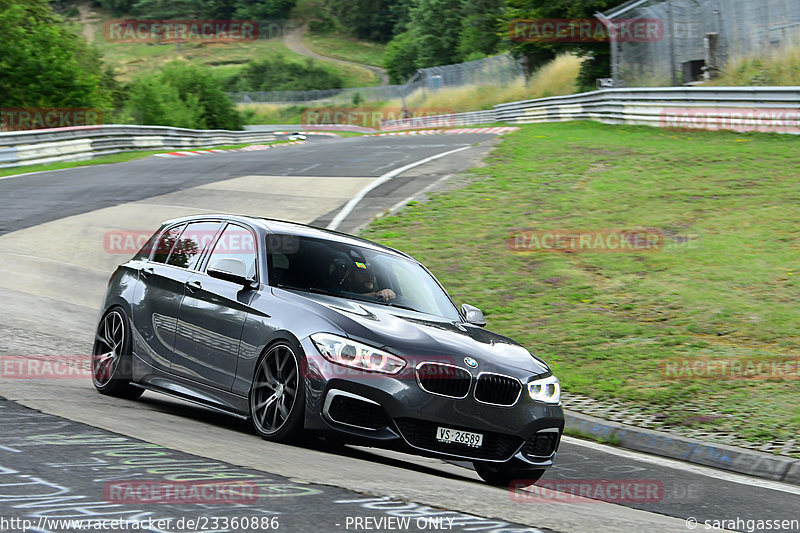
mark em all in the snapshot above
pixel 774 109
pixel 771 109
pixel 20 148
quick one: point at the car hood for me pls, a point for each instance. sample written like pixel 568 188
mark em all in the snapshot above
pixel 417 336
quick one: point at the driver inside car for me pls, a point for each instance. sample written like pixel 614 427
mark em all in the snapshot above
pixel 360 278
pixel 365 282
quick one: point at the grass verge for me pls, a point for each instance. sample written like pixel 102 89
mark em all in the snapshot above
pixel 723 289
pixel 347 48
pixel 613 440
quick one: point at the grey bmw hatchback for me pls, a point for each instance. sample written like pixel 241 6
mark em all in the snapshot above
pixel 302 330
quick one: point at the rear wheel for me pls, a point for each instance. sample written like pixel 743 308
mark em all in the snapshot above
pixel 276 397
pixel 112 356
pixel 503 474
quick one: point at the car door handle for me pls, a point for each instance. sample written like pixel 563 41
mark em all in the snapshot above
pixel 147 271
pixel 194 285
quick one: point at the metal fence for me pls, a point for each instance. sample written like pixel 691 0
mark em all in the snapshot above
pixel 697 34
pixel 497 70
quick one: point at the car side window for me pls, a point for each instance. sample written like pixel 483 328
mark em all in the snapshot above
pixel 236 252
pixel 166 243
pixel 189 247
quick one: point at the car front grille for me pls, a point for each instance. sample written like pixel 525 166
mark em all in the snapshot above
pixel 445 380
pixel 422 434
pixel 497 389
pixel 354 412
pixel 542 445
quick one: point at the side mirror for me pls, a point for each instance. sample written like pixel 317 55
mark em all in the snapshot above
pixel 230 269
pixel 473 315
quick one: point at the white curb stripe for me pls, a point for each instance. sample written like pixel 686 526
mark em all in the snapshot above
pixel 348 208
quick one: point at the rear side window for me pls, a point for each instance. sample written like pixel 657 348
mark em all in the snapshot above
pixel 189 247
pixel 147 250
pixel 166 243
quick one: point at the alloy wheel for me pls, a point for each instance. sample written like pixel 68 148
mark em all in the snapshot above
pixel 109 344
pixel 275 389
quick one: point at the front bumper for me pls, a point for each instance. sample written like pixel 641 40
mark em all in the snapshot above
pixel 395 411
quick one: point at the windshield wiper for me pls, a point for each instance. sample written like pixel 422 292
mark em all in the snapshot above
pixel 314 290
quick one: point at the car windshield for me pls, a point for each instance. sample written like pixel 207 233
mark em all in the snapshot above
pixel 356 273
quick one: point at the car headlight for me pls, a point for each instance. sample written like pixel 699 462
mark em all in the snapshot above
pixel 354 354
pixel 547 390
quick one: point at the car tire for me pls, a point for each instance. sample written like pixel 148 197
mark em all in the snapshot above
pixel 277 399
pixel 503 474
pixel 112 356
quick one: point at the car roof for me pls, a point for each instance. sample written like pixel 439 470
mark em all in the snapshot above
pixel 285 227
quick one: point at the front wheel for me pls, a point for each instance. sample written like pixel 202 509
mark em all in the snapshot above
pixel 112 356
pixel 503 474
pixel 276 397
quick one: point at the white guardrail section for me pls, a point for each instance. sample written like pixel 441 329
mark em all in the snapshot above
pixel 769 109
pixel 21 148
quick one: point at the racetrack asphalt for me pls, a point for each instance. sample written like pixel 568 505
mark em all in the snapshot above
pixel 44 222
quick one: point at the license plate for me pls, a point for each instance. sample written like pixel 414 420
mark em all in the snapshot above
pixel 456 436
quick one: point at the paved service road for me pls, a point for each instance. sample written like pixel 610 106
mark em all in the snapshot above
pixel 55 258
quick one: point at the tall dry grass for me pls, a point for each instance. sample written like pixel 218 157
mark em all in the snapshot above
pixel 777 67
pixel 559 77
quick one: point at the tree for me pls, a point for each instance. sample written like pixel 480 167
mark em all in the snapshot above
pixel 263 10
pixel 435 27
pixel 183 96
pixel 152 101
pixel 118 7
pixel 170 9
pixel 216 109
pixel 478 37
pixel 44 64
pixel 372 20
pixel 400 57
pixel 536 54
pixel 278 74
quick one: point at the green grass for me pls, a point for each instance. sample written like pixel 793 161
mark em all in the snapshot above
pixel 724 287
pixel 116 158
pixel 612 440
pixel 343 47
pixel 225 59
